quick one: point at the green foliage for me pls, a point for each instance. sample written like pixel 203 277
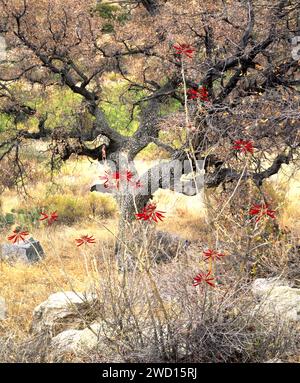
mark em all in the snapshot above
pixel 107 11
pixel 101 205
pixel 117 112
pixel 59 105
pixel 22 217
pixel 107 28
pixel 72 209
pixel 5 122
pixel 111 13
pixel 69 209
pixel 171 106
pixel 6 220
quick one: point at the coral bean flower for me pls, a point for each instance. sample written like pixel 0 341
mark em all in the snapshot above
pixel 212 254
pixel 129 175
pixel 149 212
pixel 184 49
pixel 243 146
pixel 201 93
pixel 261 211
pixel 202 277
pixel 117 177
pixel 85 239
pixel 17 236
pixel 53 217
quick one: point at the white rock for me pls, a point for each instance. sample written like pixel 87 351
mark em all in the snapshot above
pixel 284 301
pixel 2 309
pixel 75 341
pixel 262 286
pixel 29 251
pixel 276 298
pixel 61 311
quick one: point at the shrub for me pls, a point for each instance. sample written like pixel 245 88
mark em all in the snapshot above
pixel 73 209
pixel 6 220
pixel 101 205
pixel 69 209
pixel 154 314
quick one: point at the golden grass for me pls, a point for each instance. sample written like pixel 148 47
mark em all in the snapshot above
pixel 24 287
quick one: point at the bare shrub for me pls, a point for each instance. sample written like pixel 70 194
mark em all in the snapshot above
pixel 152 313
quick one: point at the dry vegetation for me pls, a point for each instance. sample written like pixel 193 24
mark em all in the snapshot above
pixel 89 83
pixel 168 298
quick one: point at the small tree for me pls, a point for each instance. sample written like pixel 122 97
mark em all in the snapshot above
pixel 239 53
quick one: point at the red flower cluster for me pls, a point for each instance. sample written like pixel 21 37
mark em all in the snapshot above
pixel 84 239
pixel 243 146
pixel 117 177
pixel 262 210
pixel 212 254
pixel 202 277
pixel 201 93
pixel 51 218
pixel 184 49
pixel 17 236
pixel 149 212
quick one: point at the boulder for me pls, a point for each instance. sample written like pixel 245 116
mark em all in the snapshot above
pixel 62 311
pixel 76 342
pixel 2 309
pixel 263 286
pixel 29 251
pixel 277 298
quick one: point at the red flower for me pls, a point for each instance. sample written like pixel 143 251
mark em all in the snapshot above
pixel 201 93
pixel 129 175
pixel 184 49
pixel 149 213
pixel 117 177
pixel 212 254
pixel 262 210
pixel 138 184
pixel 53 217
pixel 243 146
pixel 202 277
pixel 85 239
pixel 17 236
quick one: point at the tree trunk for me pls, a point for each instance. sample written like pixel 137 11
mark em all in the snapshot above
pixel 129 205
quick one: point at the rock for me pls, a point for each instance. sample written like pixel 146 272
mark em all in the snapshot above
pixel 262 286
pixel 2 309
pixel 62 311
pixel 166 246
pixel 29 251
pixel 277 298
pixel 75 341
pixel 275 360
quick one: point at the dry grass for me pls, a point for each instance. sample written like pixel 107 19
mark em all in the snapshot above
pixel 64 267
pixel 24 287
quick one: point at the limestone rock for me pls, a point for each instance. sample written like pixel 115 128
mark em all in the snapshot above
pixel 75 341
pixel 61 311
pixel 29 251
pixel 277 298
pixel 262 286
